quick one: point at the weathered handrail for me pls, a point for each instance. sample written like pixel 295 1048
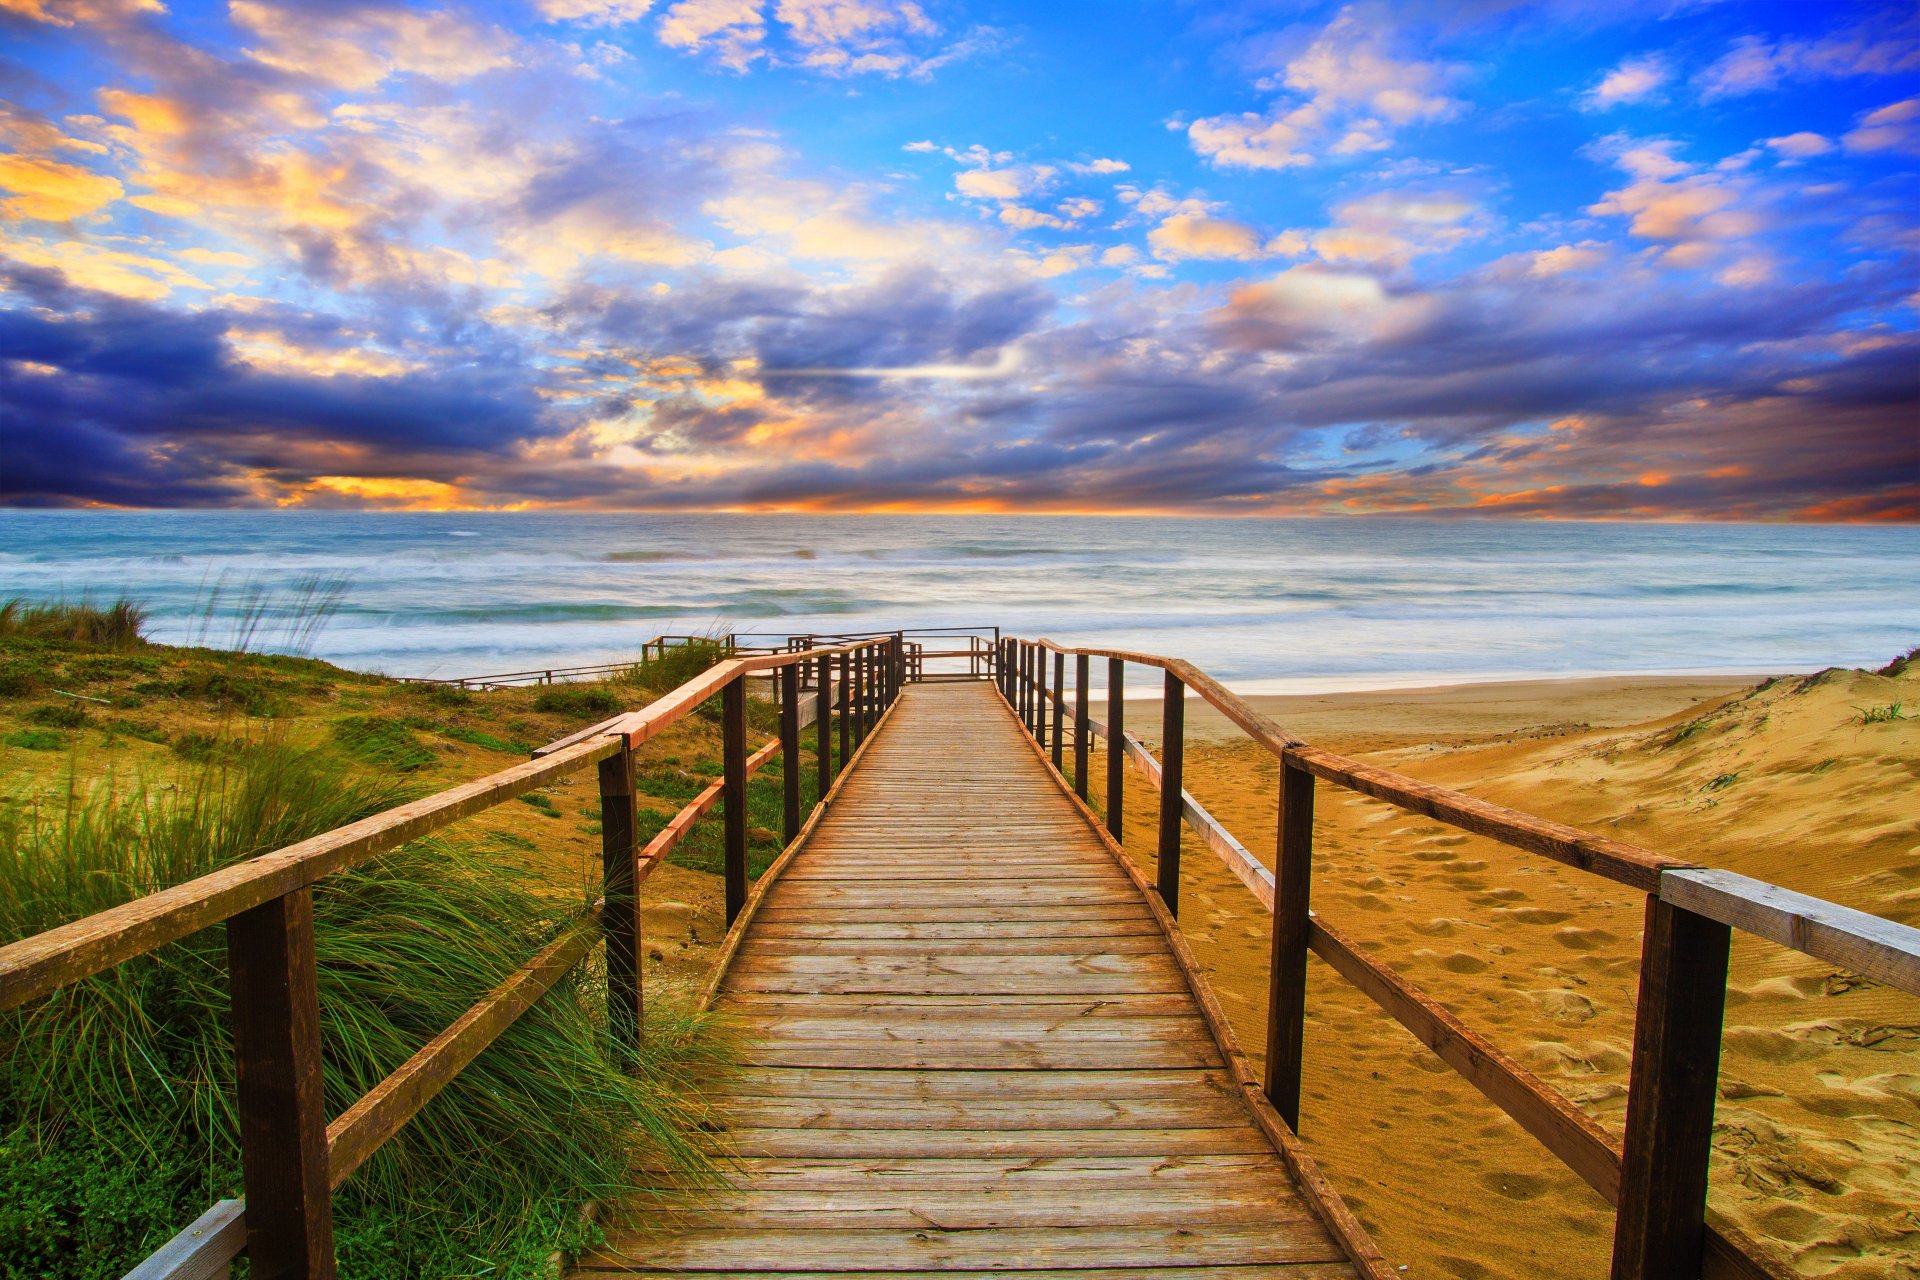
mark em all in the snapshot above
pixel 1658 1183
pixel 291 1158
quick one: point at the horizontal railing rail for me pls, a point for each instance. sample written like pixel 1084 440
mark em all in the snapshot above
pixel 1657 1181
pixel 292 1158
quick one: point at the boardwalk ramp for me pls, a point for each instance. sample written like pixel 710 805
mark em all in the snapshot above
pixel 973 1045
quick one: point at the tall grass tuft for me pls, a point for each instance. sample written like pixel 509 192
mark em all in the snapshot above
pixel 118 626
pixel 116 1122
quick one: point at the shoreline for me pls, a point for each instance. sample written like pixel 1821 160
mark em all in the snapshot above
pixel 1560 703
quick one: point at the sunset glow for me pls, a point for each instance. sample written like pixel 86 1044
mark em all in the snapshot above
pixel 1551 260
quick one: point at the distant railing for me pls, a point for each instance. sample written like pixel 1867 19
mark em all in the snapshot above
pixel 980 646
pixel 1658 1182
pixel 291 1157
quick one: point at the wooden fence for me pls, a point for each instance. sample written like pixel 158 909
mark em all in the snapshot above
pixel 291 1157
pixel 1657 1183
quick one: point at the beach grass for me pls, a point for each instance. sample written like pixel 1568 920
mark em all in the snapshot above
pixel 117 1093
pixel 129 767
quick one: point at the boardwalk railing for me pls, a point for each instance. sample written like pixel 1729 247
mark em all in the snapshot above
pixel 1658 1181
pixel 919 645
pixel 292 1158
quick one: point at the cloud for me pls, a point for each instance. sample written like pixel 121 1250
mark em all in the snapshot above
pixel 1185 236
pixel 1672 202
pixel 1348 88
pixel 1100 166
pixel 731 32
pixel 1894 127
pixel 832 37
pixel 603 13
pixel 1634 80
pixel 1879 47
pixel 1801 146
pixel 357 47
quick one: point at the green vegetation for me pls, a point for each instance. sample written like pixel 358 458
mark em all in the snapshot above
pixel 35 740
pixel 381 741
pixel 474 737
pixel 540 802
pixel 1722 782
pixel 115 627
pixel 116 1124
pixel 1881 715
pixel 580 700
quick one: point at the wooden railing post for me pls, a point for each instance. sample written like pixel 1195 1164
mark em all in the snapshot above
pixel 1116 745
pixel 1173 729
pixel 823 724
pixel 857 707
pixel 272 984
pixel 1287 972
pixel 733 794
pixel 620 921
pixel 1080 731
pixel 1033 692
pixel 790 751
pixel 846 707
pixel 897 665
pixel 1059 705
pixel 1020 680
pixel 1660 1228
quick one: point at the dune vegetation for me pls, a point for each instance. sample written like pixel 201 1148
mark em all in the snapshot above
pixel 127 766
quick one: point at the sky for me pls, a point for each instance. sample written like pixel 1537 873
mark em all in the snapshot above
pixel 1577 259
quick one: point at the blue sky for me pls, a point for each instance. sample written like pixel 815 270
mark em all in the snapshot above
pixel 1607 260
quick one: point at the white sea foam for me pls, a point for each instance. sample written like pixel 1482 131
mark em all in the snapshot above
pixel 1264 604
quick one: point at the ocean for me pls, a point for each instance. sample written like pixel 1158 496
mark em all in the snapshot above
pixel 1264 605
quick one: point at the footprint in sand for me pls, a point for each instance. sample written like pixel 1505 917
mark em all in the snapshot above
pixel 1583 939
pixel 1562 1005
pixel 1438 927
pixel 1531 915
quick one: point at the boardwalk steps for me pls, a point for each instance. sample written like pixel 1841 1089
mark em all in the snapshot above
pixel 972 1047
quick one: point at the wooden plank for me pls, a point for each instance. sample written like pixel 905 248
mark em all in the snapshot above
pixel 203 1250
pixel 1282 1271
pixel 982 1114
pixel 921 1173
pixel 1114 928
pixel 855 981
pixel 935 1055
pixel 1116 761
pixel 986 1211
pixel 920 1004
pixel 34 966
pixel 1660 1231
pixel 1053 1031
pixel 932 1249
pixel 1013 894
pixel 1084 964
pixel 1881 949
pixel 957 913
pixel 278 1089
pixel 763 944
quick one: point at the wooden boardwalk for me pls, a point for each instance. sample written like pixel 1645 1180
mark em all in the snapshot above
pixel 974 1048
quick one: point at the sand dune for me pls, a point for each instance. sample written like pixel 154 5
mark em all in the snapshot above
pixel 1818 1127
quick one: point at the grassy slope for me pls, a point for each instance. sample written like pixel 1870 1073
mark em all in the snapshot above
pixel 162 715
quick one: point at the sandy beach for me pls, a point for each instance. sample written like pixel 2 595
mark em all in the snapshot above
pixel 1819 1115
